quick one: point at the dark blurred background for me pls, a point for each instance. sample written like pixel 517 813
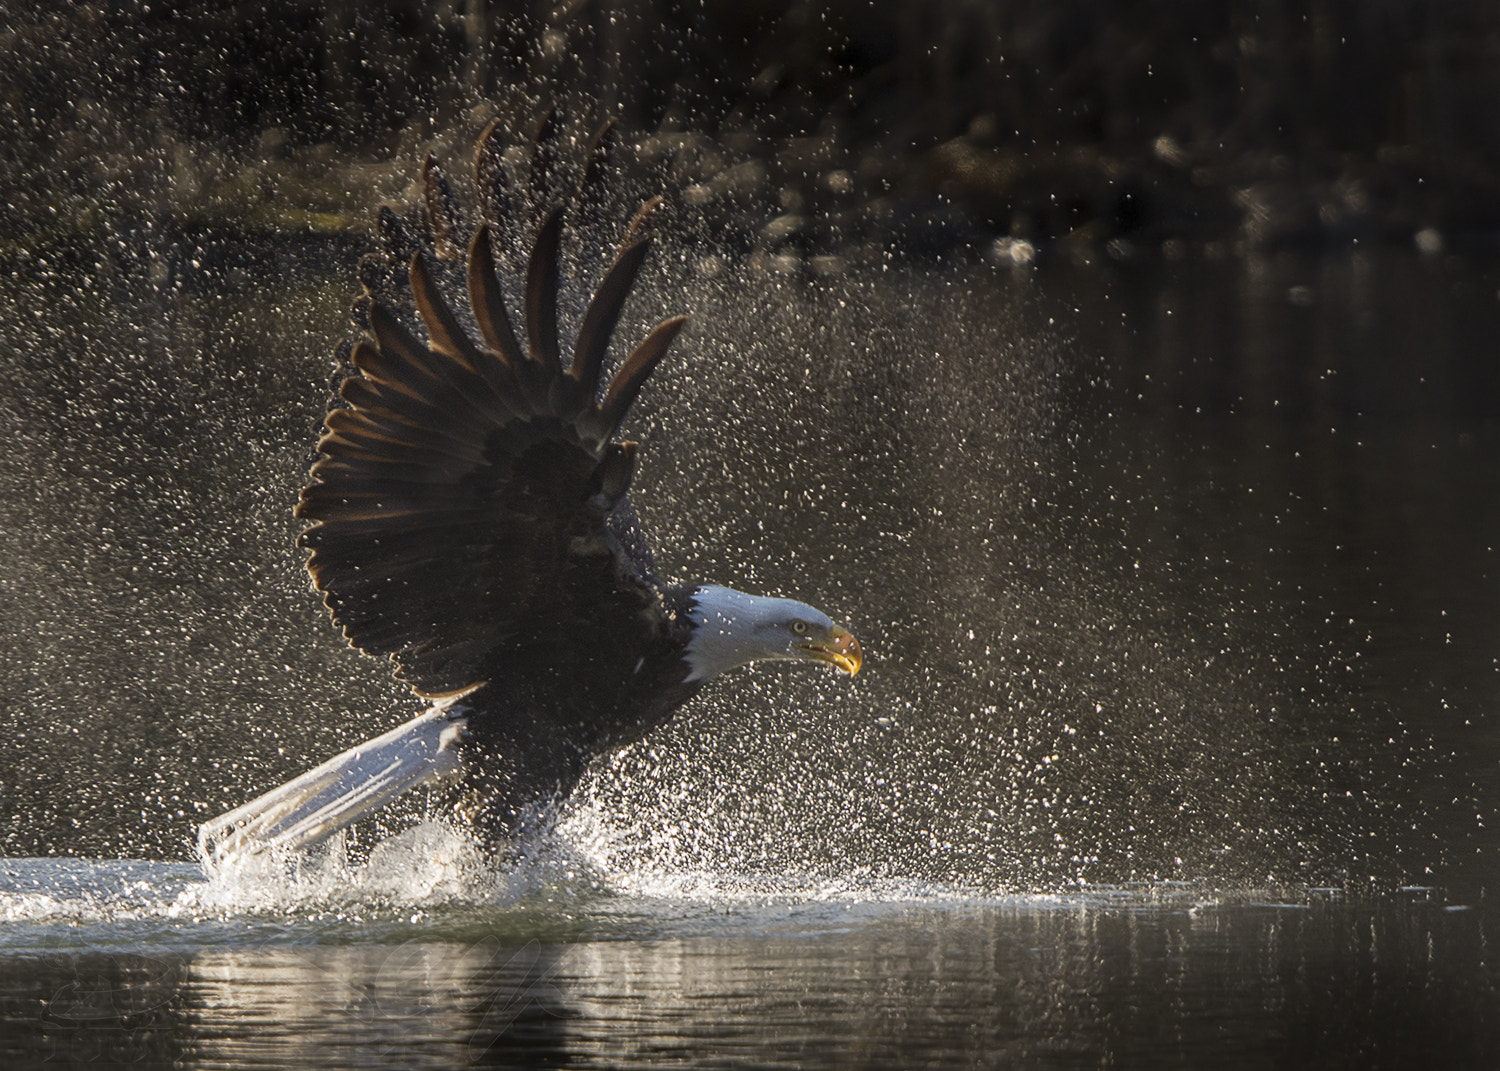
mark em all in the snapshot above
pixel 1132 128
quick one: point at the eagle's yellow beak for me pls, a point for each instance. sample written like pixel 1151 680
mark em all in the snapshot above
pixel 839 647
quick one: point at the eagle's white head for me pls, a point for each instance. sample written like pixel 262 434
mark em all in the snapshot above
pixel 731 628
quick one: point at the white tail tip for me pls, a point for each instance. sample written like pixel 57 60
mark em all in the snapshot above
pixel 312 807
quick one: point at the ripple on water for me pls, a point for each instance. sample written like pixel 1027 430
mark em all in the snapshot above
pixel 430 882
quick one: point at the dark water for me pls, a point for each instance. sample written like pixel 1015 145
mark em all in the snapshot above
pixel 854 976
pixel 1176 741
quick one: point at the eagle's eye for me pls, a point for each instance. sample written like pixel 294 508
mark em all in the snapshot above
pixel 799 627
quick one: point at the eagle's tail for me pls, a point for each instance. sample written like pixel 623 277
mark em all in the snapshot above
pixel 312 807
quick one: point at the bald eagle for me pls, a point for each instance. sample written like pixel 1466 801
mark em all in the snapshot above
pixel 469 520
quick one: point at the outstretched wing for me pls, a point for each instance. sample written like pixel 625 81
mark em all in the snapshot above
pixel 463 493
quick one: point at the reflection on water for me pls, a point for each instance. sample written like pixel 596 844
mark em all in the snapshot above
pixel 1101 976
pixel 1181 575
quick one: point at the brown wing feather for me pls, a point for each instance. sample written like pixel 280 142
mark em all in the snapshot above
pixel 462 494
pixel 488 300
pixel 541 296
pixel 443 217
pixel 603 314
pixel 632 375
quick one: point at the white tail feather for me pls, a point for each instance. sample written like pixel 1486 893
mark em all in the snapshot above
pixel 312 807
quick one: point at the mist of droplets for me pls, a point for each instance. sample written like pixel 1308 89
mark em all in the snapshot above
pixel 1077 666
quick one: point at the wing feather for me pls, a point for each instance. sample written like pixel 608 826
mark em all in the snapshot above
pixel 462 495
pixel 541 296
pixel 488 300
pixel 604 313
pixel 443 215
pixel 491 184
pixel 631 377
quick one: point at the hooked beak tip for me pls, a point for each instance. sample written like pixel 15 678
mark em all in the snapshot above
pixel 841 649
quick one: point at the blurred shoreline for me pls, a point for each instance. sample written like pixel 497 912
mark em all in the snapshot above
pixel 802 134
